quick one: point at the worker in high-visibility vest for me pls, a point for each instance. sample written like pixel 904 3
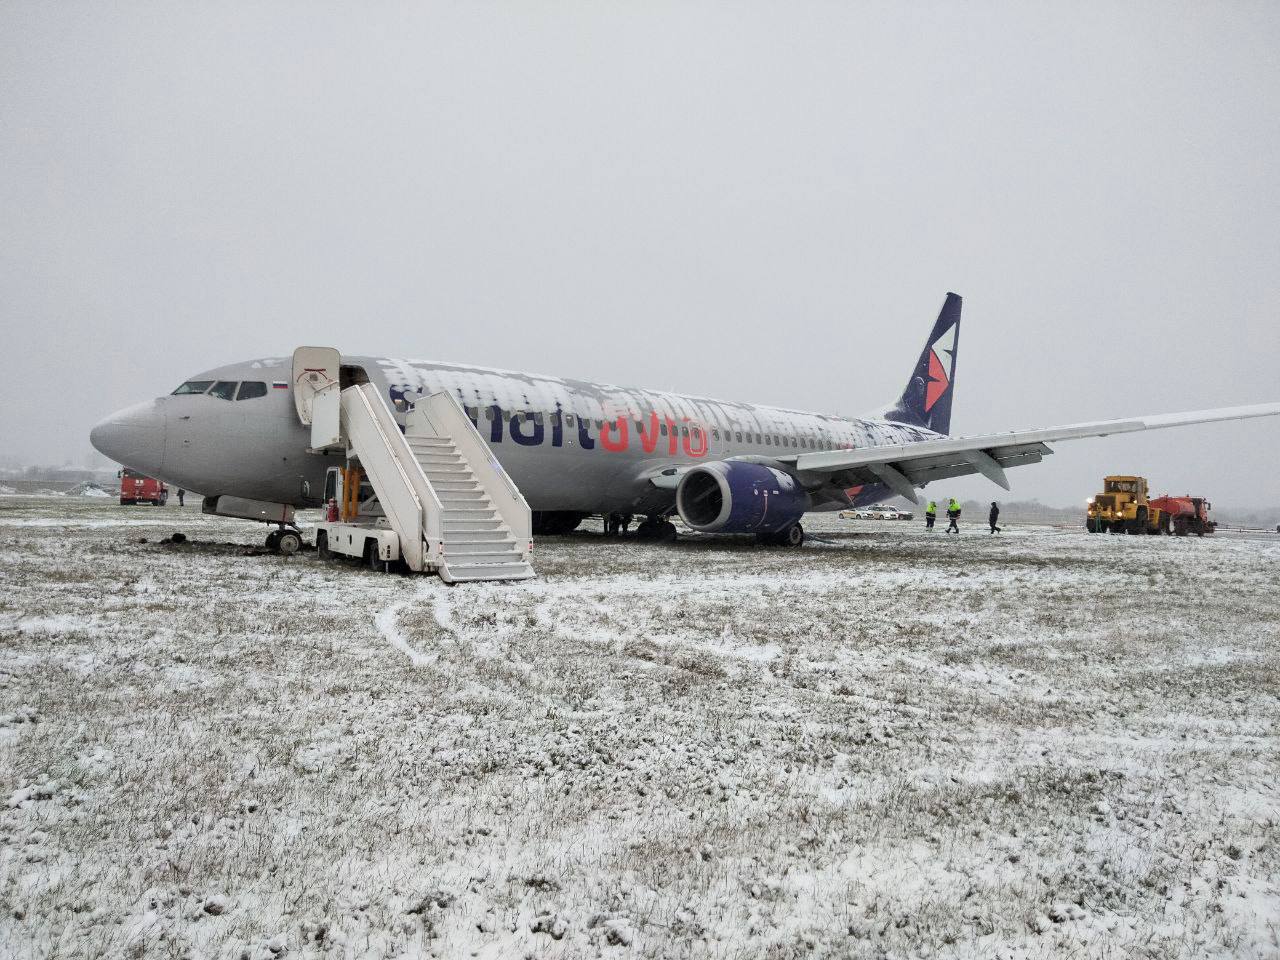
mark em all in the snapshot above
pixel 930 514
pixel 953 514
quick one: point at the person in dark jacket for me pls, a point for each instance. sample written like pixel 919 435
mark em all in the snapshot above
pixel 953 514
pixel 994 516
pixel 182 495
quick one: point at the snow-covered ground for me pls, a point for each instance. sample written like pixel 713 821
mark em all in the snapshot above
pixel 1040 744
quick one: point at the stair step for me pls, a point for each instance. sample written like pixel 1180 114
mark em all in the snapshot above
pixel 490 571
pixel 472 528
pixel 428 441
pixel 500 543
pixel 467 537
pixel 464 496
pixel 492 556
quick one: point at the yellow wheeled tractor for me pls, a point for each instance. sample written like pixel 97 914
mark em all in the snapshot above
pixel 1123 507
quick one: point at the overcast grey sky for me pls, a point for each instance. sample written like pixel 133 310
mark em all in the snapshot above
pixel 753 201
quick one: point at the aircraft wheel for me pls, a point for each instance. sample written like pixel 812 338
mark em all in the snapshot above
pixel 659 531
pixel 289 543
pixel 273 540
pixel 793 536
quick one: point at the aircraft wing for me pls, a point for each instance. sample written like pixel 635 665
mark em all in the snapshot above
pixel 903 467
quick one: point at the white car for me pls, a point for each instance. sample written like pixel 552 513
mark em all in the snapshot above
pixel 877 511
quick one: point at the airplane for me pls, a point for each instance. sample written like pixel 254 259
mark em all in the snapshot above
pixel 576 448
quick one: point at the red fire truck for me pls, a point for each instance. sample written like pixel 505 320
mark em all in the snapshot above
pixel 138 488
pixel 1185 515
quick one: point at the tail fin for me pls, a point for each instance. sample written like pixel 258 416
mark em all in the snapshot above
pixel 926 402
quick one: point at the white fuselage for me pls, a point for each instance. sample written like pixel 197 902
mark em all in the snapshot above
pixel 570 445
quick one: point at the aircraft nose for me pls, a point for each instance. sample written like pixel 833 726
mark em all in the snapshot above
pixel 134 437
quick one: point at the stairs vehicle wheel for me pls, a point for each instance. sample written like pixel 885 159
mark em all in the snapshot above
pixel 322 545
pixel 289 542
pixel 273 539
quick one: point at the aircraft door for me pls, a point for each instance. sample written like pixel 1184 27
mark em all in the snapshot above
pixel 314 368
pixel 317 393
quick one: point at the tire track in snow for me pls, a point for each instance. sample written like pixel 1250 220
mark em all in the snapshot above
pixel 387 622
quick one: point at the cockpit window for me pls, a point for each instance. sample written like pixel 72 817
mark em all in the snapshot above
pixel 193 386
pixel 226 389
pixel 250 389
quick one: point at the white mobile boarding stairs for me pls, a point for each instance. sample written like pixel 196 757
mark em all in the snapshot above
pixel 454 508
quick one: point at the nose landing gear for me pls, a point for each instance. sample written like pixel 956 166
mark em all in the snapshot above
pixel 284 540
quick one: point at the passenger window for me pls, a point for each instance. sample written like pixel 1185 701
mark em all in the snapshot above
pixel 663 429
pixel 737 436
pixel 193 386
pixel 715 434
pixel 224 389
pixel 251 389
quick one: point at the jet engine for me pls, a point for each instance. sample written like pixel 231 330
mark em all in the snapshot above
pixel 736 496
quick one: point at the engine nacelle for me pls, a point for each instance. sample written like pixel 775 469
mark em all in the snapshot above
pixel 734 496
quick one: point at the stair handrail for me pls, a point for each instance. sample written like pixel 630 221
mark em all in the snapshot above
pixel 427 509
pixel 443 410
pixel 433 509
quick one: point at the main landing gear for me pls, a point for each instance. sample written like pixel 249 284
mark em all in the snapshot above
pixel 790 536
pixel 285 540
pixel 656 529
pixel 555 523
